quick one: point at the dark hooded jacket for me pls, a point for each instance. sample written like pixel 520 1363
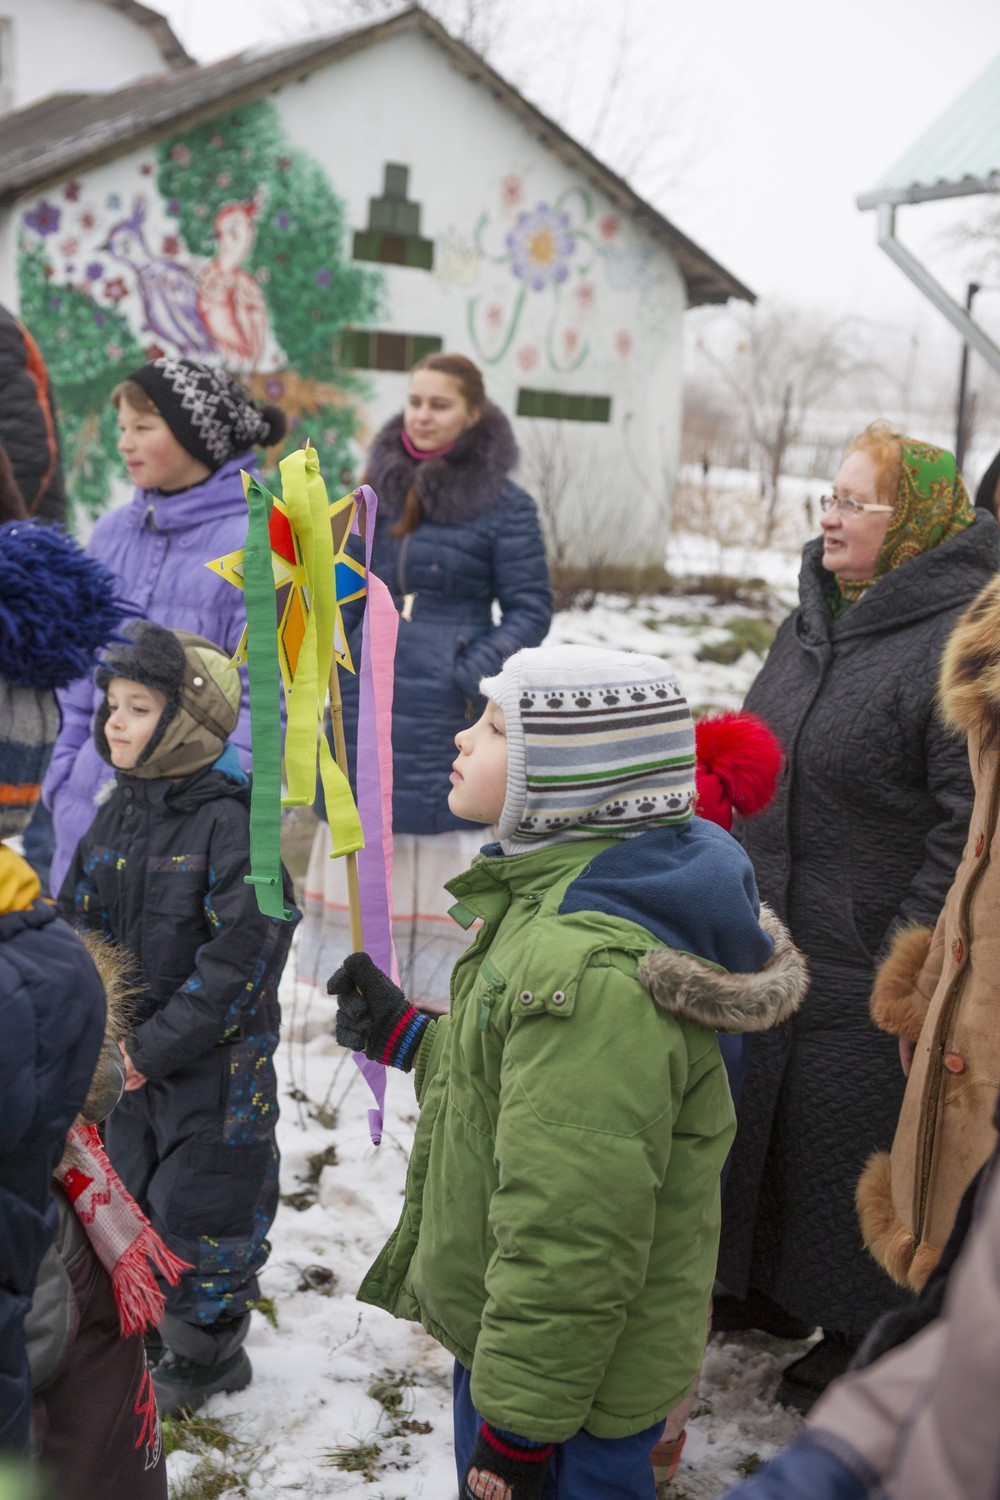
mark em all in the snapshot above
pixel 864 835
pixel 52 1024
pixel 478 542
pixel 161 870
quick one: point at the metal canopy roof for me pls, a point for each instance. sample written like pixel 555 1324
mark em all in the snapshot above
pixel 959 154
pixel 69 133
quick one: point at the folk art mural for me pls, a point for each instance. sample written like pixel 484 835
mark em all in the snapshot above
pixel 227 247
pixel 568 254
pixel 229 244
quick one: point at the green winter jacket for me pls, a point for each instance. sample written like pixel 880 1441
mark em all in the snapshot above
pixel 561 1215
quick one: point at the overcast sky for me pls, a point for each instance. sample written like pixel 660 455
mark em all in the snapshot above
pixel 781 112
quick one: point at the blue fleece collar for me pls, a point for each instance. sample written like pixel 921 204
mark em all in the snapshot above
pixel 692 887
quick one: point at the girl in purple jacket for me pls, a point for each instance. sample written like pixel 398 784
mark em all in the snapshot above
pixel 186 432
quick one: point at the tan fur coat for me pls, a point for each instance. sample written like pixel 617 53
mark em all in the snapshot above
pixel 941 990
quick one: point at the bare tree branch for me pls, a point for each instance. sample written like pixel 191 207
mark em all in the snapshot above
pixel 783 365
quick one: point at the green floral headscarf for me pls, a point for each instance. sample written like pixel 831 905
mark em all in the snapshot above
pixel 931 507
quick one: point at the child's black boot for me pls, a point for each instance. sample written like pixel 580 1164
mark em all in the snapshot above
pixel 200 1362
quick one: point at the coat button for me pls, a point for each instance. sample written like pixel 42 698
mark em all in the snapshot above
pixel 526 997
pixel 958 949
pixel 558 997
pixel 953 1062
pixel 980 844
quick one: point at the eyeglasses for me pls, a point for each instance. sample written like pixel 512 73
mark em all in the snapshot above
pixel 849 507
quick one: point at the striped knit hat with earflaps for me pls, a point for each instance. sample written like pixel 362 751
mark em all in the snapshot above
pixel 600 744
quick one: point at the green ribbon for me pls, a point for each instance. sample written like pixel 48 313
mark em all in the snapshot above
pixel 265 706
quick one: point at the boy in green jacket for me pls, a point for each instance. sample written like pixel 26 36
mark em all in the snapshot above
pixel 561 1217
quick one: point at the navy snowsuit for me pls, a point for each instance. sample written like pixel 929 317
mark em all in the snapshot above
pixel 162 870
pixel 52 1027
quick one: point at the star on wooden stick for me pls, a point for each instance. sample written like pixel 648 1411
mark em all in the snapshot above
pixel 291 592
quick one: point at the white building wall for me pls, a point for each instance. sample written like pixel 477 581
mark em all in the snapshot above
pixel 407 104
pixel 59 46
pixel 609 329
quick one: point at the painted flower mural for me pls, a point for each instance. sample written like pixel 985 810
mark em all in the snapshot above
pixel 172 251
pixel 545 251
pixel 555 268
pixel 44 219
pixel 541 246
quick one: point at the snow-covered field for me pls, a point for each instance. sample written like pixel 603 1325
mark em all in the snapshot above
pixel 346 1400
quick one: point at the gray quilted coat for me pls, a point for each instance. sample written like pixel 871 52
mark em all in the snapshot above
pixel 864 834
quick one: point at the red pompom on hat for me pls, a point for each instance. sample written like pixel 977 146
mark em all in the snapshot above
pixel 738 760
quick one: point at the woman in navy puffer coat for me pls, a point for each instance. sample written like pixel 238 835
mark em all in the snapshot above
pixel 455 537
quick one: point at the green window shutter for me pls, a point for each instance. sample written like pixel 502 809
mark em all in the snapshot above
pixel 561 406
pixel 422 344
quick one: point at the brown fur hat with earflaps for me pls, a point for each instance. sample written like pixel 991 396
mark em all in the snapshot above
pixel 203 696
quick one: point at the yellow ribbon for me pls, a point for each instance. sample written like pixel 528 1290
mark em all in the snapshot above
pixel 305 498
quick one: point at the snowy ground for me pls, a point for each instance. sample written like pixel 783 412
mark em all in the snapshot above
pixel 346 1400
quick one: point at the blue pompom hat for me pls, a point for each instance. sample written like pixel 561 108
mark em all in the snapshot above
pixel 57 608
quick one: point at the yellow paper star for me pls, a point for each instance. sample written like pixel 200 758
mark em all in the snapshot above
pixel 291 592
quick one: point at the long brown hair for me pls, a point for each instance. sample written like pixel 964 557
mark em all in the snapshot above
pixel 469 379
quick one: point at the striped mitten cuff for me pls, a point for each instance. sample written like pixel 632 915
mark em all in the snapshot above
pixel 374 1016
pixel 505 1465
pixel 403 1043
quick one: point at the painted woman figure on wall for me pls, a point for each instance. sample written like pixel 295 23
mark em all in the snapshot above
pixel 230 301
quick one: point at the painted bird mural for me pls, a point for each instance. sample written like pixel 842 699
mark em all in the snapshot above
pixel 168 290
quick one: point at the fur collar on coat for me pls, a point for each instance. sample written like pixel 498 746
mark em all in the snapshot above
pixel 459 485
pixel 969 683
pixel 720 1001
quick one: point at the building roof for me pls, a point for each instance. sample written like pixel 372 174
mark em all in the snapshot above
pixel 70 133
pixel 957 155
pixel 159 28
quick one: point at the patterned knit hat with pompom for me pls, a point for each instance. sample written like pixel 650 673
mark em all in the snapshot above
pixel 58 607
pixel 210 414
pixel 600 744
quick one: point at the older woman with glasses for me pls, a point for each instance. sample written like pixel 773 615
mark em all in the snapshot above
pixel 861 840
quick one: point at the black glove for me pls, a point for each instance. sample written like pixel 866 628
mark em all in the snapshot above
pixel 373 1014
pixel 505 1467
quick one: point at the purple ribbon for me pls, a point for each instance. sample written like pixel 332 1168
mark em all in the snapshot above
pixel 374 785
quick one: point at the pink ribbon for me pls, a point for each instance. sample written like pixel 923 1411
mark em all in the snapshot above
pixel 374 786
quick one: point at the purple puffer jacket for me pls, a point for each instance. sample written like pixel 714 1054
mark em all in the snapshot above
pixel 158 545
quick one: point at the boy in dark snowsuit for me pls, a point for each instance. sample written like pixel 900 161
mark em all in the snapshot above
pixel 161 870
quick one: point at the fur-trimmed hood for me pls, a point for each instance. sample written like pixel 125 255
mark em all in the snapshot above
pixel 686 986
pixel 969 681
pixel 460 484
